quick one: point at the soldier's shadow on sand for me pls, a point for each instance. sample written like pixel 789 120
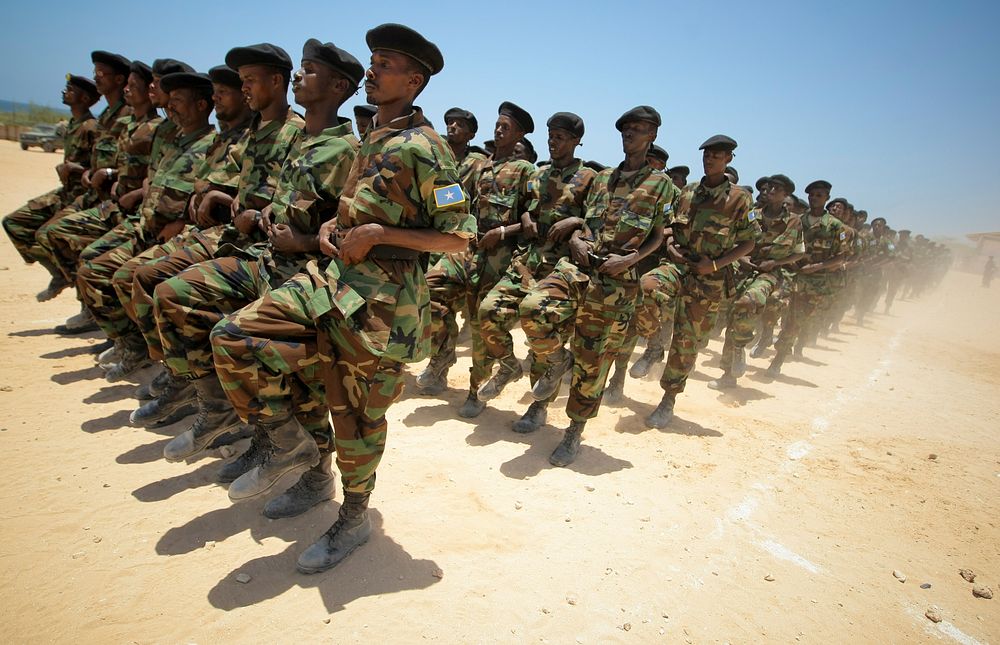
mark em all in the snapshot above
pixel 164 489
pixel 50 331
pixel 741 395
pixel 635 423
pixel 117 419
pixel 761 376
pixel 379 567
pixel 86 374
pixel 110 393
pixel 69 352
pixel 591 461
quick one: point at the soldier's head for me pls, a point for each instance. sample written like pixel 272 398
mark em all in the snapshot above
pixel 836 207
pixel 679 175
pixel 328 75
pixel 795 205
pixel 363 116
pixel 110 72
pixel 490 146
pixel 524 151
pixel 732 175
pixel 189 99
pixel 777 189
pixel 861 216
pixel 265 71
pixel 227 95
pixel 819 194
pixel 717 153
pixel 80 92
pixel 657 157
pixel 461 126
pixel 639 127
pixel 513 122
pixel 137 87
pixel 402 62
pixel 565 133
pixel 162 67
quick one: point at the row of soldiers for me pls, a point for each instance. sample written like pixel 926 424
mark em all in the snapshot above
pixel 281 270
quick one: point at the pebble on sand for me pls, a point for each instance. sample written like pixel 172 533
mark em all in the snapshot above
pixel 243 578
pixel 982 591
pixel 769 578
pixel 968 574
pixel 899 575
pixel 933 614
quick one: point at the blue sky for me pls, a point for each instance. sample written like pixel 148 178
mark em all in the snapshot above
pixel 893 102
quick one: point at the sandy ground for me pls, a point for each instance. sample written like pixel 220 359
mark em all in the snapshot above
pixel 777 513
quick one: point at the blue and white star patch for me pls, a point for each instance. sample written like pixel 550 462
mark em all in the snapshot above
pixel 843 235
pixel 448 195
pixel 752 215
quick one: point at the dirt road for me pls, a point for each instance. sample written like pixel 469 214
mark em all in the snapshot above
pixel 777 513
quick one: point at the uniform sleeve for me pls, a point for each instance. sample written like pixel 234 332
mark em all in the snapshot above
pixel 747 228
pixel 439 190
pixel 534 189
pixel 328 178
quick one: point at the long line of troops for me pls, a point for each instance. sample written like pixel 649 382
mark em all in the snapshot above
pixel 277 268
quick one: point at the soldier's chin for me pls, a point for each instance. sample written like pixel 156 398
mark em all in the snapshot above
pixel 371 99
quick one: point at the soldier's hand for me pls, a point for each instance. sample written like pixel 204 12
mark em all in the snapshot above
pixel 767 266
pixel 130 200
pixel 529 229
pixel 617 264
pixel 489 240
pixel 85 178
pixel 328 238
pixel 63 173
pixel 264 222
pixel 284 238
pixel 675 255
pixel 358 241
pixel 170 230
pixel 246 221
pixel 578 251
pixel 98 178
pixel 704 266
pixel 561 230
pixel 809 268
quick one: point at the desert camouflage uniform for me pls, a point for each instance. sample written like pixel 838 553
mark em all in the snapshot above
pixel 622 211
pixel 360 322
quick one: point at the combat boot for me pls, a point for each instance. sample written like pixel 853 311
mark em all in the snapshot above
pixel 350 531
pixel 316 485
pixel 739 361
pixel 434 379
pixel 508 370
pixel 567 450
pixel 650 356
pixel 766 340
pixel 550 381
pixel 215 418
pixel 615 392
pixel 177 400
pixel 533 419
pixel 472 407
pixel 291 450
pixel 253 456
pixel 78 324
pixel 663 414
pixel 133 358
pixel 57 283
pixel 112 355
pixel 725 382
pixel 153 389
pixel 774 369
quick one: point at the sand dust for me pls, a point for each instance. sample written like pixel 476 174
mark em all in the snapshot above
pixel 777 513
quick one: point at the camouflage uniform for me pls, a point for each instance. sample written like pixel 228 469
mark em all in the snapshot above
pixel 781 238
pixel 23 224
pixel 359 322
pixel 710 221
pixel 825 238
pixel 622 211
pixel 165 202
pixel 556 194
pixel 500 198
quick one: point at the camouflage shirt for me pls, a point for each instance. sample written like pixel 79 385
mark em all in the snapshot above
pixel 623 208
pixel 501 193
pixel 166 136
pixel 781 236
pixel 267 146
pixel 79 149
pixel 555 194
pixel 469 169
pixel 134 147
pixel 220 170
pixel 825 237
pixel 109 129
pixel 404 176
pixel 173 183
pixel 711 221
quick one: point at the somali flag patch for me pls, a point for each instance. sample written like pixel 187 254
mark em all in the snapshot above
pixel 448 195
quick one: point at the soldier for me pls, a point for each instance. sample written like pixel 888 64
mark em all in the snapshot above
pixel 899 268
pixel 265 70
pixel 989 270
pixel 873 282
pixel 168 131
pixel 657 157
pixel 500 199
pixel 80 94
pixel 558 194
pixel 461 129
pixel 364 313
pixel 760 274
pixel 363 115
pixel 825 236
pixel 525 151
pixel 679 175
pixel 713 227
pixel 308 189
pixel 160 215
pixel 597 286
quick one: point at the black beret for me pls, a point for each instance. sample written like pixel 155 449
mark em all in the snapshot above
pixel 489 143
pixel 719 142
pixel 878 219
pixel 181 80
pixel 542 164
pixel 735 174
pixel 683 170
pixel 566 121
pixel 164 66
pixel 529 148
pixel 849 205
pixel 262 54
pixel 656 152
pixel 904 231
pixel 760 184
pixel 115 61
pixel 595 165
pixel 142 69
pixel 365 110
pixel 477 149
pixel 784 182
pixel 225 75
pixel 839 200
pixel 335 57
pixel 640 113
pixel 465 115
pixel 83 83
pixel 403 40
pixel 819 183
pixel 519 114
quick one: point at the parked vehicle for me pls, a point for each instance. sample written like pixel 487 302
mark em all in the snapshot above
pixel 47 137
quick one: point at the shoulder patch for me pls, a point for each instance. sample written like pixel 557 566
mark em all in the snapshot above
pixel 531 185
pixel 843 235
pixel 448 195
pixel 667 207
pixel 752 215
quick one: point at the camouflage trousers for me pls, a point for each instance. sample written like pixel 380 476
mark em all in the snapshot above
pixel 778 302
pixel 94 279
pixel 272 355
pixel 811 298
pixel 64 238
pixel 22 225
pixel 746 312
pixel 870 289
pixel 657 306
pixel 599 309
pixel 459 281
